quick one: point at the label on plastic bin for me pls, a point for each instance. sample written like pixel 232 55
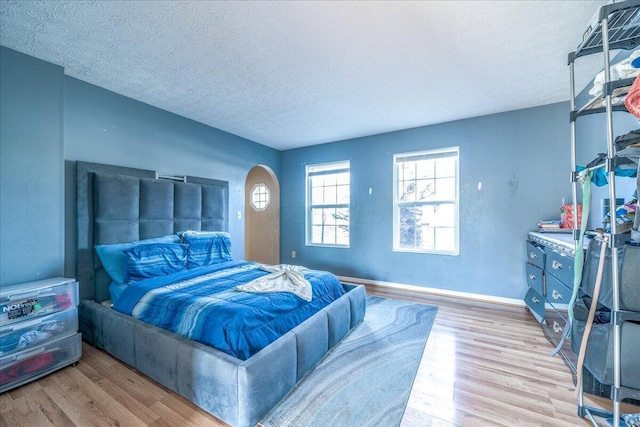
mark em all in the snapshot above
pixel 20 309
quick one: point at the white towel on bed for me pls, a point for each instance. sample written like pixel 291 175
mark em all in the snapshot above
pixel 283 278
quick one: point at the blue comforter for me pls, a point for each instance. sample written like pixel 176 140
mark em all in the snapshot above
pixel 201 304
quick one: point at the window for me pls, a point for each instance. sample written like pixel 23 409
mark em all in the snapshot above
pixel 260 197
pixel 425 213
pixel 328 198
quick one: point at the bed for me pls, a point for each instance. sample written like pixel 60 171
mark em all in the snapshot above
pixel 119 205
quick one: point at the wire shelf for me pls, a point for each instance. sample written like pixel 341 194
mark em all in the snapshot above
pixel 624 28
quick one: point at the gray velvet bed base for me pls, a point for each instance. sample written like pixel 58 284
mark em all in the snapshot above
pixel 115 205
pixel 239 392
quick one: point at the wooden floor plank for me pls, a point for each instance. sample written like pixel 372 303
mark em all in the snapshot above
pixel 50 410
pixel 6 403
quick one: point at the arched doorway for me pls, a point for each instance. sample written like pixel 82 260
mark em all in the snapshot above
pixel 262 216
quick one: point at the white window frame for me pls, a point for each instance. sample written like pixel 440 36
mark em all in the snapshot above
pixel 320 169
pixel 449 151
pixel 263 194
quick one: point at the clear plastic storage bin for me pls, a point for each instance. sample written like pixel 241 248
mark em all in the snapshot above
pixel 21 302
pixel 18 336
pixel 27 365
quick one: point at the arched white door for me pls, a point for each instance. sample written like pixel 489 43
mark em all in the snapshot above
pixel 262 216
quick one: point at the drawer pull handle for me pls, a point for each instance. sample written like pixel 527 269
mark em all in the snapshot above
pixel 556 295
pixel 556 265
pixel 22 325
pixel 533 255
pixel 535 300
pixel 532 276
pixel 24 296
pixel 29 353
pixel 556 327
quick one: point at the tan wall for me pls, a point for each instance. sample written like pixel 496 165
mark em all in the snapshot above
pixel 262 228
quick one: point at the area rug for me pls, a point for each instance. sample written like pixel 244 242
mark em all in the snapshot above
pixel 367 378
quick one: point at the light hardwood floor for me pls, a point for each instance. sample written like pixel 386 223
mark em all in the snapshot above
pixel 484 365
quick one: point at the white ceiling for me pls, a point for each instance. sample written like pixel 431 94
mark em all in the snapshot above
pixel 296 73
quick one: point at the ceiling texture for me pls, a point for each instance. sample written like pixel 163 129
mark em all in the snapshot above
pixel 289 74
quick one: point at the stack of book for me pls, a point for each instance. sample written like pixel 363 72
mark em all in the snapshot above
pixel 549 225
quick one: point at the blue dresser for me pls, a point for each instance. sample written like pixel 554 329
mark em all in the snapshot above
pixel 549 270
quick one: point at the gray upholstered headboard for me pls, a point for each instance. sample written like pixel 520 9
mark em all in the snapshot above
pixel 117 204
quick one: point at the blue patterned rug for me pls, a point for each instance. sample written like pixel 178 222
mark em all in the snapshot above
pixel 367 378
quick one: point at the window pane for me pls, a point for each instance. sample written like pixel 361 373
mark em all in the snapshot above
pixel 409 228
pixel 426 205
pixel 329 186
pixel 342 237
pixel 427 241
pixel 316 216
pixel 408 170
pixel 342 179
pixel 342 217
pixel 438 215
pixel 316 234
pixel 343 194
pixel 329 216
pixel 329 235
pixel 260 197
pixel 426 169
pixel 317 181
pixel 444 215
pixel 426 189
pixel 400 171
pixel 446 189
pixel 329 179
pixel 317 196
pixel 445 238
pixel 330 196
pixel 446 167
pixel 407 191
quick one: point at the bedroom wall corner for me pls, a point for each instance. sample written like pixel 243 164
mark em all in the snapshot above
pixel 101 126
pixel 31 168
pixel 513 155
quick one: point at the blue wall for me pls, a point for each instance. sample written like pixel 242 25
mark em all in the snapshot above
pixel 520 157
pixel 31 169
pixel 50 120
pixel 104 127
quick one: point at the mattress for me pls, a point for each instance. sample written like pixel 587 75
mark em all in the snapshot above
pixel 202 304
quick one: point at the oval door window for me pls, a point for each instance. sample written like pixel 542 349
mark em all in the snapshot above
pixel 260 197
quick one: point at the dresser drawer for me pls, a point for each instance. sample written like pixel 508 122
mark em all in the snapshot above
pixel 535 303
pixel 21 367
pixel 555 324
pixel 557 292
pixel 19 303
pixel 18 336
pixel 535 254
pixel 561 266
pixel 534 278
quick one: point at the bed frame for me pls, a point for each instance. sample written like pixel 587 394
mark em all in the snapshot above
pixel 117 204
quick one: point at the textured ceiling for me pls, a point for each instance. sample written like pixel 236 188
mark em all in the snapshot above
pixel 290 74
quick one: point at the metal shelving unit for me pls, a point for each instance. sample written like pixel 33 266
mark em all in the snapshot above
pixel 616 26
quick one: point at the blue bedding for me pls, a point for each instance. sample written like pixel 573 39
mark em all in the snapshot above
pixel 202 304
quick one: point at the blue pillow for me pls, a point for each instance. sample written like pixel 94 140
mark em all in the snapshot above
pixel 155 259
pixel 207 247
pixel 115 262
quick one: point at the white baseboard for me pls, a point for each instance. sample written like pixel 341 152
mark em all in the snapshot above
pixel 435 291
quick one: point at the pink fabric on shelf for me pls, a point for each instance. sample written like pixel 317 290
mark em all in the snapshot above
pixel 632 101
